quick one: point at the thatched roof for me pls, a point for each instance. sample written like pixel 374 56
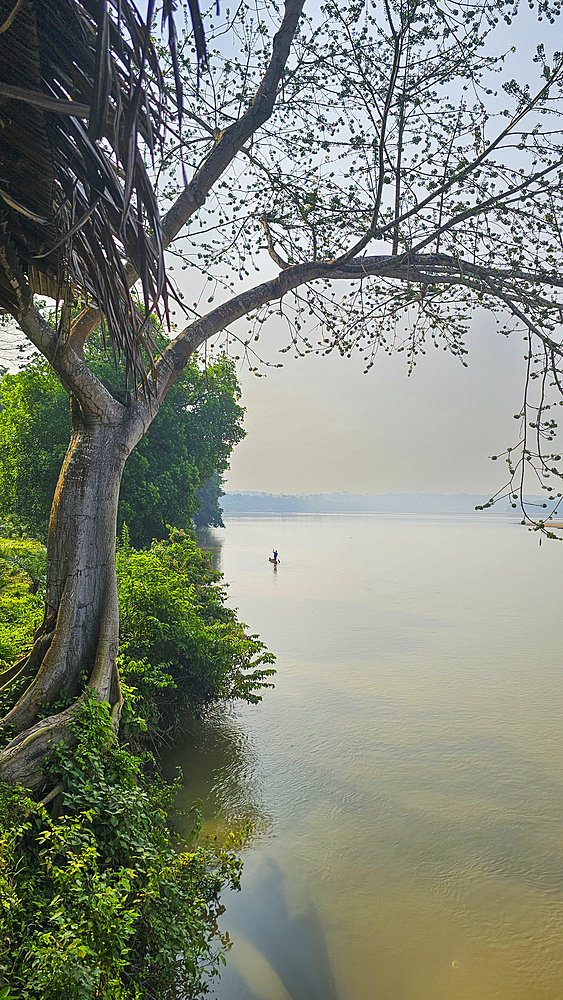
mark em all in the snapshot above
pixel 80 84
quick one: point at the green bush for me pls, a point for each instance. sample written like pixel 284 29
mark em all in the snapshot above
pixel 98 903
pixel 22 579
pixel 34 435
pixel 181 647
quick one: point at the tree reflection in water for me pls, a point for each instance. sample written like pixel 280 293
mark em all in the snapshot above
pixel 277 954
pixel 219 767
pixel 210 541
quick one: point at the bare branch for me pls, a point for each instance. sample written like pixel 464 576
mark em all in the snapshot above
pixel 233 138
pixel 528 323
pixel 282 264
pixel 230 142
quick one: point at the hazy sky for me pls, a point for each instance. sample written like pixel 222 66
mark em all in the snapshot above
pixel 319 424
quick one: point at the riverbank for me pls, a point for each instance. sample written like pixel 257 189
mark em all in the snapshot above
pixel 96 899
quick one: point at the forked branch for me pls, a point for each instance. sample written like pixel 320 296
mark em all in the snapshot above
pixel 230 142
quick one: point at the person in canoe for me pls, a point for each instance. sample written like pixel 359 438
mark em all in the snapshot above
pixel 275 560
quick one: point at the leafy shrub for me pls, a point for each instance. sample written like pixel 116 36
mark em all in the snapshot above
pixel 98 903
pixel 29 557
pixel 181 647
pixel 22 578
pixel 34 434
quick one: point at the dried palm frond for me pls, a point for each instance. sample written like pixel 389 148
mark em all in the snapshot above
pixel 80 93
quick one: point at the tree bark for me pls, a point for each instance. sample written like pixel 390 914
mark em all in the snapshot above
pixel 76 645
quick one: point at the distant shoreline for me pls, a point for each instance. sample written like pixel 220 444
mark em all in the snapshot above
pixel 238 502
pixel 497 515
pixel 391 513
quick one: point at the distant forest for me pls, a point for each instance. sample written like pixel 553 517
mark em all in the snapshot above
pixel 389 503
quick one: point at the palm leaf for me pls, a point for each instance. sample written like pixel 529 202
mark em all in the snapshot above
pixel 80 92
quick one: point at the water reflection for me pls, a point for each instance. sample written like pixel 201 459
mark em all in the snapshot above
pixel 277 954
pixel 405 778
pixel 219 765
pixel 209 540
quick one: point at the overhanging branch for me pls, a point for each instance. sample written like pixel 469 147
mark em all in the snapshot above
pixel 230 143
pixel 422 268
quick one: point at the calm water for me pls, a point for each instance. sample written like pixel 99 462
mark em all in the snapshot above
pixel 404 781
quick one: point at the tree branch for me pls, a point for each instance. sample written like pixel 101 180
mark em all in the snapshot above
pixel 528 323
pixel 94 398
pixel 230 143
pixel 233 138
pixel 424 268
pixel 377 233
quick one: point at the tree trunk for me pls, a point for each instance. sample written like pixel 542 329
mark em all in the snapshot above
pixel 76 645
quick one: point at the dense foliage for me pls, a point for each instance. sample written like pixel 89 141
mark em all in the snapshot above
pixel 210 511
pixel 189 441
pixel 97 902
pixel 22 576
pixel 34 436
pixel 181 646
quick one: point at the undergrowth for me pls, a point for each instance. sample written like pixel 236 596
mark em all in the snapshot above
pixel 181 647
pixel 97 900
pixel 98 903
pixel 22 580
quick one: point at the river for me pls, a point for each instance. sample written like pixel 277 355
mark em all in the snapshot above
pixel 403 783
